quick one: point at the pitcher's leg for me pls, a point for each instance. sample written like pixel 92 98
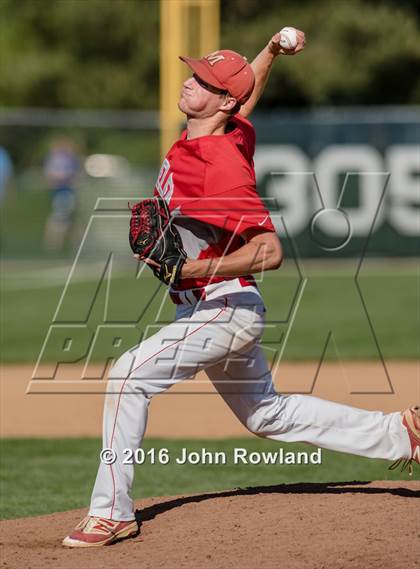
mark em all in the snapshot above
pixel 342 428
pixel 249 392
pixel 124 424
pixel 175 353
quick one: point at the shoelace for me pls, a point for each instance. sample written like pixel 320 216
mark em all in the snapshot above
pixel 405 463
pixel 95 523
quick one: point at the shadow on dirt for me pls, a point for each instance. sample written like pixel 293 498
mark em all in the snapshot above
pixel 355 487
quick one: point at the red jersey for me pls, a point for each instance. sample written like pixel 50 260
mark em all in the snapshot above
pixel 209 185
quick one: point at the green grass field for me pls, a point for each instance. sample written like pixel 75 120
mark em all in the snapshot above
pixel 329 301
pixel 40 476
pixel 303 313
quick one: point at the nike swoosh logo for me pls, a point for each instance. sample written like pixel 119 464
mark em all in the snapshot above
pixel 263 221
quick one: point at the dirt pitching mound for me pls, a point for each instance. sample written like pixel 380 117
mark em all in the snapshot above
pixel 296 526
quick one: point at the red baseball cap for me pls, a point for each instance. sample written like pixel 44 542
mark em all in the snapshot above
pixel 227 70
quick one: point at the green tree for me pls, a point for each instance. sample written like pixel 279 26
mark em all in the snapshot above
pixel 79 53
pixel 105 53
pixel 358 51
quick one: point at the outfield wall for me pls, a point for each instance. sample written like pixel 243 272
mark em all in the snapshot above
pixel 362 164
pixel 340 182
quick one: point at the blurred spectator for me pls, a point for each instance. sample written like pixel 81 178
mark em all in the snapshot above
pixel 6 172
pixel 61 168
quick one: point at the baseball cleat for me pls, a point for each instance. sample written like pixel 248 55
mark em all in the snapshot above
pixel 411 421
pixel 94 532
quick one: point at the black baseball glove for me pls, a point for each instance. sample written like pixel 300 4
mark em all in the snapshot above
pixel 152 236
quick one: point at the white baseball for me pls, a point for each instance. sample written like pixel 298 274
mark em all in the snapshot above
pixel 288 38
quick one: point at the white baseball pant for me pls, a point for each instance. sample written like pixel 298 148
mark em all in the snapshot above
pixel 222 337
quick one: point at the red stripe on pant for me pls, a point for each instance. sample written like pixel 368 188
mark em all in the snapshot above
pixel 126 379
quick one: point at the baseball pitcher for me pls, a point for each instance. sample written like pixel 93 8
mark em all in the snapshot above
pixel 204 234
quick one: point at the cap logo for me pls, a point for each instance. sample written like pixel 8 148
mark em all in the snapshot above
pixel 214 58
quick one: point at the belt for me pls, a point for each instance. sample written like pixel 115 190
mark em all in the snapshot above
pixel 194 295
pixel 191 296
